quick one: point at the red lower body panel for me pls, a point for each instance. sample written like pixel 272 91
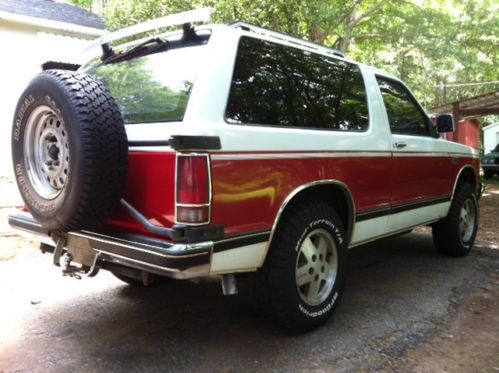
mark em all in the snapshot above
pixel 248 189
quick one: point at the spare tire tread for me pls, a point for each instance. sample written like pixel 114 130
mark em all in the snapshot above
pixel 95 106
pixel 102 148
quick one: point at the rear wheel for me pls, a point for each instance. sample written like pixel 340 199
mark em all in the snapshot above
pixel 303 276
pixel 455 235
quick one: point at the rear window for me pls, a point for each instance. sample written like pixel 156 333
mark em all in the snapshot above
pixel 276 85
pixel 152 88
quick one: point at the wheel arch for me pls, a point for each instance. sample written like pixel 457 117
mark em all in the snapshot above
pixel 334 192
pixel 467 174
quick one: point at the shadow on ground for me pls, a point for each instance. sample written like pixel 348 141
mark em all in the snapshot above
pixel 398 292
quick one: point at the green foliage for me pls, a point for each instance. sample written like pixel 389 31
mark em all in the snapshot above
pixel 426 43
pixel 86 4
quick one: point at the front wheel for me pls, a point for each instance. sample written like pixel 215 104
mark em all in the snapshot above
pixel 302 279
pixel 455 235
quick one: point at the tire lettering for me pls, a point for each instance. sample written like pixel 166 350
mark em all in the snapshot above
pixel 20 115
pixel 317 222
pixel 331 225
pixel 24 186
pixel 298 243
pixel 322 311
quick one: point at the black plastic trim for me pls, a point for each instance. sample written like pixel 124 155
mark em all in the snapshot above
pixel 235 242
pixel 373 214
pixel 196 142
pixel 400 208
pixel 193 234
pixel 50 65
pixel 149 143
pixel 180 142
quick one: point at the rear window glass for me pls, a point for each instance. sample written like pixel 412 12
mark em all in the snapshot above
pixel 152 88
pixel 277 85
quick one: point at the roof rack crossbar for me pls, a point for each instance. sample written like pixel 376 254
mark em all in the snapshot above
pixel 285 37
pixel 191 16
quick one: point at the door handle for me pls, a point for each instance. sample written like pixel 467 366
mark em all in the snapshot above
pixel 400 144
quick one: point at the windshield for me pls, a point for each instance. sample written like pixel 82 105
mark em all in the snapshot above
pixel 151 88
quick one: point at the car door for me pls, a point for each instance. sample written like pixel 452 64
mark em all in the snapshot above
pixel 421 163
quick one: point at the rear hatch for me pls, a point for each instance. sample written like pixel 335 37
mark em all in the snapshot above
pixel 151 81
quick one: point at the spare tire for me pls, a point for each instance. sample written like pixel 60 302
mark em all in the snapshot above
pixel 69 150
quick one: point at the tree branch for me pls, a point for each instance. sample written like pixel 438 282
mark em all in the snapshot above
pixel 373 9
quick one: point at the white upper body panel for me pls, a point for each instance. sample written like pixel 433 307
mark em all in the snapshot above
pixel 205 112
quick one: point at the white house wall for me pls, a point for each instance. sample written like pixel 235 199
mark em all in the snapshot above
pixel 24 49
pixel 490 137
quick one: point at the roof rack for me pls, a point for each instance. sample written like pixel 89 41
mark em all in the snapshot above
pixel 286 37
pixel 196 15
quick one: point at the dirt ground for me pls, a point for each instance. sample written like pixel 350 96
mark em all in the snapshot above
pixel 470 342
pixel 405 309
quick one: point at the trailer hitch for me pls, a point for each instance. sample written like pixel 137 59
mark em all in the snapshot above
pixel 63 259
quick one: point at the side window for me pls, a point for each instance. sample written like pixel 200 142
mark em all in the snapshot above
pixel 276 85
pixel 404 115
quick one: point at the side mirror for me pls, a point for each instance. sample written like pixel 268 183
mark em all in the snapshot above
pixel 444 123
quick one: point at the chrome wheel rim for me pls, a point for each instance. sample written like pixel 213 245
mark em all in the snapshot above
pixel 467 220
pixel 316 267
pixel 46 151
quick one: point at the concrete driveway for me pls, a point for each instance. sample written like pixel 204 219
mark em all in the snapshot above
pixel 403 308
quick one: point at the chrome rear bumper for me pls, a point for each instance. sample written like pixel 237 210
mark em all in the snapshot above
pixel 154 255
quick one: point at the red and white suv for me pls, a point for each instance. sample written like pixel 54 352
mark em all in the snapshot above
pixel 224 149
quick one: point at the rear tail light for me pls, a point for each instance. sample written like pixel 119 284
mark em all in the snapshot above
pixel 193 190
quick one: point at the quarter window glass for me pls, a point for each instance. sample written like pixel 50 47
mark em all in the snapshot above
pixel 405 117
pixel 277 85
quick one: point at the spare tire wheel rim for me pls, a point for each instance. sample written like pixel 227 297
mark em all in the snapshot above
pixel 46 148
pixel 316 267
pixel 467 220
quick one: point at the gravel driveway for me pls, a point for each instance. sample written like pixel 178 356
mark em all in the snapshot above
pixel 404 308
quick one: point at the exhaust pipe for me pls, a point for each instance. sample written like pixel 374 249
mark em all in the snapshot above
pixel 229 285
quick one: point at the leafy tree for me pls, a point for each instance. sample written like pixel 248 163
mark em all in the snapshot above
pixel 87 4
pixel 427 43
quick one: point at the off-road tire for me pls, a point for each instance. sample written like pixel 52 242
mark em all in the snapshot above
pixel 282 295
pixel 70 122
pixel 455 235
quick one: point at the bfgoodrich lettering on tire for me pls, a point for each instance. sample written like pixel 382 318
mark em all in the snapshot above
pixel 455 235
pixel 303 276
pixel 69 149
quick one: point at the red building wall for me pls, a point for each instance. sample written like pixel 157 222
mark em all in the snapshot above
pixel 467 133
